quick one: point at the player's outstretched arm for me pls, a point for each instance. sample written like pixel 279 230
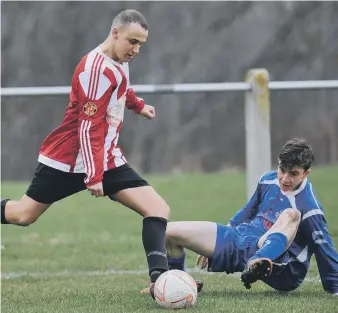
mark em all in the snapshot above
pixel 315 230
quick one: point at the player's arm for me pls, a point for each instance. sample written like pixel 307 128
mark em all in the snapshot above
pixel 138 106
pixel 133 102
pixel 94 97
pixel 249 211
pixel 314 228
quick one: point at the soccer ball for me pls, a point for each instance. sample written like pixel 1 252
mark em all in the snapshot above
pixel 175 289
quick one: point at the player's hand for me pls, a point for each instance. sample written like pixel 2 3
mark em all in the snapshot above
pixel 148 111
pixel 96 190
pixel 202 261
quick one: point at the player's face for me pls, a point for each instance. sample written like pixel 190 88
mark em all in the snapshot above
pixel 128 41
pixel 290 180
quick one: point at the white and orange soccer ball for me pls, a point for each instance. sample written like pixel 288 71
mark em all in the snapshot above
pixel 175 289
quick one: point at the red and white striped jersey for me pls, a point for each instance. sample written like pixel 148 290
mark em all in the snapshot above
pixel 86 140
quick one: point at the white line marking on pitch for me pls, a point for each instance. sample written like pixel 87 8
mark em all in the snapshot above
pixel 13 275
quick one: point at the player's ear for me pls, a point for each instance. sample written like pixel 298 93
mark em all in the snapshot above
pixel 307 172
pixel 115 32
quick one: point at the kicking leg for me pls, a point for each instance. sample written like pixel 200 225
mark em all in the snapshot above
pixel 271 246
pixel 155 211
pixel 199 237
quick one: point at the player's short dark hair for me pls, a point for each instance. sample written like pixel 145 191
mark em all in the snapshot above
pixel 296 152
pixel 130 16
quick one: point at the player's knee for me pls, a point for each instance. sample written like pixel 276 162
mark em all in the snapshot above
pixel 165 210
pixel 160 211
pixel 293 215
pixel 26 220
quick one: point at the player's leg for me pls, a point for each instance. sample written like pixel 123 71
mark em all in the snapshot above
pixel 286 224
pixel 288 277
pixel 48 186
pixel 124 185
pixel 271 246
pixel 23 212
pixel 145 201
pixel 198 236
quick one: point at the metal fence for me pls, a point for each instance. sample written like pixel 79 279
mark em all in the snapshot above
pixel 257 109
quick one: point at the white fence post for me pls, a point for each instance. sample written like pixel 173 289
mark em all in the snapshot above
pixel 257 127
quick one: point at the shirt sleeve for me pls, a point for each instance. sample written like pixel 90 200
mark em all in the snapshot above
pixel 133 102
pixel 95 90
pixel 314 228
pixel 249 211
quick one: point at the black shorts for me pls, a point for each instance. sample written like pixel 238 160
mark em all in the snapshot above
pixel 50 185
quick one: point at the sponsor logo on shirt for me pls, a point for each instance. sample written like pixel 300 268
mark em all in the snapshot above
pixel 115 113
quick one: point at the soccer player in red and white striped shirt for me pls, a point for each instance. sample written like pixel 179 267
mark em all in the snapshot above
pixel 82 153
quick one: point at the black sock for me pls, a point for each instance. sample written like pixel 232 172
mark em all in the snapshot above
pixel 3 205
pixel 153 237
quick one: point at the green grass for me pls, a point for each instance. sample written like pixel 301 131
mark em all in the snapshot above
pixel 73 248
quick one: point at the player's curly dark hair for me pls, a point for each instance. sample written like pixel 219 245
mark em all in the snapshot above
pixel 130 16
pixel 296 152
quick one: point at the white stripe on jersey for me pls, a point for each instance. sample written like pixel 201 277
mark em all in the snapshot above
pixel 84 147
pixel 79 163
pixel 86 150
pixel 125 68
pixel 270 182
pixel 301 257
pixel 94 76
pixel 285 193
pixel 93 81
pixel 91 158
pixel 53 163
pixel 111 134
pixel 118 157
pixel 313 195
pixel 292 200
pixel 311 213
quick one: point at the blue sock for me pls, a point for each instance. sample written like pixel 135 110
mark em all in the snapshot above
pixel 273 247
pixel 177 264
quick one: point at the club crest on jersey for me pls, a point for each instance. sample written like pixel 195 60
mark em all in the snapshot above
pixel 90 108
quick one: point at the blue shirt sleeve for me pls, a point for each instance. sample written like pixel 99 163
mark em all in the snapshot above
pixel 249 211
pixel 314 229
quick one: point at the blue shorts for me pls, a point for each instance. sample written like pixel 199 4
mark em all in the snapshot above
pixel 235 246
pixel 233 250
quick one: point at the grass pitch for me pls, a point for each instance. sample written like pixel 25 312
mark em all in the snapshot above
pixel 86 254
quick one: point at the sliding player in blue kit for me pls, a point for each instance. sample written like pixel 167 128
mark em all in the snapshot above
pixel 273 237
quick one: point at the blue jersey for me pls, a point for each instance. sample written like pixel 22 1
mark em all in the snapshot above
pixel 265 206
